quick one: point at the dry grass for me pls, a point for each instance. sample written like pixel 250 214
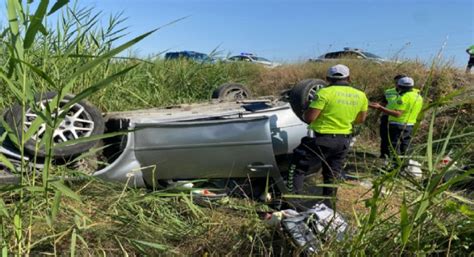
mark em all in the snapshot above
pixel 352 197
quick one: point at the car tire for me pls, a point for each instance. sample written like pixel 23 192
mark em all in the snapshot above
pixel 231 91
pixel 83 120
pixel 303 93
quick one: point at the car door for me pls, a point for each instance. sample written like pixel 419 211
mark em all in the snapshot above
pixel 212 148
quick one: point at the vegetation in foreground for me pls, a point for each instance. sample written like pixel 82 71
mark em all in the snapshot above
pixel 47 215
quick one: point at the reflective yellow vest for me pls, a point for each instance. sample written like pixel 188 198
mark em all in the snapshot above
pixel 339 105
pixel 391 95
pixel 410 103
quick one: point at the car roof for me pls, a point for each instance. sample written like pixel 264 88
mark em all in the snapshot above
pixel 185 51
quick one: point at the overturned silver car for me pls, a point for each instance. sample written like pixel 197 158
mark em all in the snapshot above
pixel 217 140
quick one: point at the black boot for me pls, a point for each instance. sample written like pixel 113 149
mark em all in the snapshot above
pixel 298 182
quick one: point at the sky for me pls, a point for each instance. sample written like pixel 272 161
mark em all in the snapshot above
pixel 295 30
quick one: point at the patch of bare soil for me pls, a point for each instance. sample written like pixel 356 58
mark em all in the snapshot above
pixel 353 195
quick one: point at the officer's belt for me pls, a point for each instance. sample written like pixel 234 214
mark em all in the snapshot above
pixel 400 124
pixel 316 134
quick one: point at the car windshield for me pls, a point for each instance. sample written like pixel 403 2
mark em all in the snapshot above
pixel 200 56
pixel 371 55
pixel 261 59
pixel 334 55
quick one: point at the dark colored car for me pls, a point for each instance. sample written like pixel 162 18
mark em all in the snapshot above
pixel 189 55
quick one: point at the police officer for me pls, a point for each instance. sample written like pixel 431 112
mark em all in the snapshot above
pixel 389 96
pixel 331 115
pixel 470 63
pixel 403 111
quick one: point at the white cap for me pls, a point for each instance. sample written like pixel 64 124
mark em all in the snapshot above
pixel 338 71
pixel 406 82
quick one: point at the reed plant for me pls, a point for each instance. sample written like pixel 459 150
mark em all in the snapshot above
pixel 35 61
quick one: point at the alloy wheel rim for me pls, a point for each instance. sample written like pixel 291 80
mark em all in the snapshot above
pixel 76 124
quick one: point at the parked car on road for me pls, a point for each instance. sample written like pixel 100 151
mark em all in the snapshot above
pixel 230 140
pixel 349 53
pixel 248 57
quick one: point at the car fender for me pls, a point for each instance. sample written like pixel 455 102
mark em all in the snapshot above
pixel 126 168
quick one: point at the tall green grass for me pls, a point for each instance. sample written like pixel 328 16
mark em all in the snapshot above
pixel 36 61
pixel 431 220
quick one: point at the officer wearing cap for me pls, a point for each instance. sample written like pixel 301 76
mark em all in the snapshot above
pixel 390 95
pixel 331 115
pixel 403 111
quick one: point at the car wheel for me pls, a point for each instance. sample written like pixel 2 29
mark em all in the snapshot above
pixel 231 91
pixel 303 93
pixel 82 120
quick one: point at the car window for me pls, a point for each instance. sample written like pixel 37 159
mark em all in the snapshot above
pixel 200 57
pixel 352 55
pixel 261 59
pixel 334 55
pixel 371 55
pixel 171 55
